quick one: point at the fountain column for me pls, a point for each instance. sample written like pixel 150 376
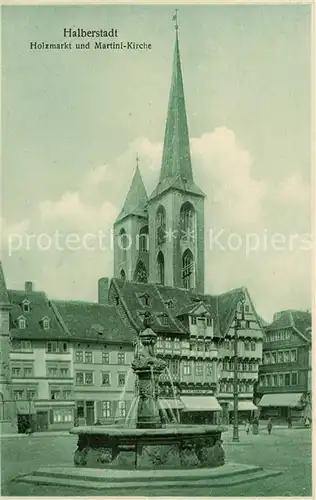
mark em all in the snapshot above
pixel 148 369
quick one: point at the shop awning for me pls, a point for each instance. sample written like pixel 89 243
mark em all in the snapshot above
pixel 201 403
pixel 171 404
pixel 288 400
pixel 246 406
pixel 243 406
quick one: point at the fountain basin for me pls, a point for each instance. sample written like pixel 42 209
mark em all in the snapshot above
pixel 170 447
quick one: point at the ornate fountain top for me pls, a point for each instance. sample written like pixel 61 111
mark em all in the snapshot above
pixel 146 358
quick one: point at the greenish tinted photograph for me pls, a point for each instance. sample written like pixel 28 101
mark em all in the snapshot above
pixel 156 250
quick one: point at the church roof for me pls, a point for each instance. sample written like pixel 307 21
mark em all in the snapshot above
pixel 136 199
pixel 4 297
pixel 176 168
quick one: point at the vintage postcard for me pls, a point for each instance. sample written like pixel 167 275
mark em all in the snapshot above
pixel 155 278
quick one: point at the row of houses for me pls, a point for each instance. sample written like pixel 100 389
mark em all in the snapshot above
pixel 68 362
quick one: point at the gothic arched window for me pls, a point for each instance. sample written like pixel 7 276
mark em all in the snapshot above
pixel 143 240
pixel 141 274
pixel 161 224
pixel 187 220
pixel 188 269
pixel 1 406
pixel 122 275
pixel 161 268
pixel 123 243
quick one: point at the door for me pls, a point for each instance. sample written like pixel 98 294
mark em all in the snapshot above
pixel 23 423
pixel 90 418
pixel 42 421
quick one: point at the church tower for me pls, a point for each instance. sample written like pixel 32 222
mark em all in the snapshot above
pixel 131 234
pixel 176 207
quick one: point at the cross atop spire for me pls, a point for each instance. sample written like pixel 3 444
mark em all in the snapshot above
pixel 137 160
pixel 175 19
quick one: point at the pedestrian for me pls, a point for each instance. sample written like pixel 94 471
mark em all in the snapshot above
pixel 255 426
pixel 247 427
pixel 269 426
pixel 289 422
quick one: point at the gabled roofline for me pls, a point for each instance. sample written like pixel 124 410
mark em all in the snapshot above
pixel 253 308
pixel 154 196
pixel 297 331
pixel 128 314
pixel 138 216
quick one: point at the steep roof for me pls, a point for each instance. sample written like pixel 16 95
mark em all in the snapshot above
pixel 221 307
pixel 93 322
pixel 39 309
pixel 4 297
pixel 300 320
pixel 131 293
pixel 176 167
pixel 136 199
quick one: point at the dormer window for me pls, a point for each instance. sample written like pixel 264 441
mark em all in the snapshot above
pixel 201 323
pixel 46 323
pixel 144 299
pixel 22 323
pixel 169 303
pixel 26 306
pixel 163 319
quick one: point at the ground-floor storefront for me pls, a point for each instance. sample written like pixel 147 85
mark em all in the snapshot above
pixel 286 407
pixel 103 408
pixel 200 409
pixel 247 411
pixel 44 415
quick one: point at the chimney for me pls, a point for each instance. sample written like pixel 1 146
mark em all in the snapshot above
pixel 28 286
pixel 103 290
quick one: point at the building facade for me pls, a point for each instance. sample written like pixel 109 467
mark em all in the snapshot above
pixel 67 362
pixel 285 374
pixel 8 421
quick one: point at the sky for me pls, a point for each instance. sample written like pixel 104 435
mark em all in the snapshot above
pixel 74 121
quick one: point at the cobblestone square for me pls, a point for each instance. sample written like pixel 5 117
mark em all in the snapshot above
pixel 288 450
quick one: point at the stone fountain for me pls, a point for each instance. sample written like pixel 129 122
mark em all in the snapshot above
pixel 151 444
pixel 150 455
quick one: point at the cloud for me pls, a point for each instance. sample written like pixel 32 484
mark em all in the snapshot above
pixel 237 202
pixel 225 166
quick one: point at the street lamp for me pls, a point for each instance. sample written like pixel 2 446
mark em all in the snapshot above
pixel 235 424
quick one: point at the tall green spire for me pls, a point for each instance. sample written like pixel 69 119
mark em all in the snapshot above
pixel 176 158
pixel 176 168
pixel 136 198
